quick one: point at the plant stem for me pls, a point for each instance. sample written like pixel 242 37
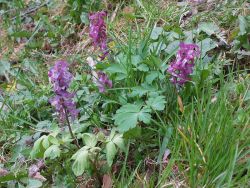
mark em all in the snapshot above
pixel 70 129
pixel 97 174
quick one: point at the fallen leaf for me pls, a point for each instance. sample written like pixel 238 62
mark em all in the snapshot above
pixel 107 181
pixel 3 172
pixel 181 107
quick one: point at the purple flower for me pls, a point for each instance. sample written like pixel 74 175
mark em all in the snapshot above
pixel 34 170
pixel 98 31
pixel 182 67
pixel 103 82
pixel 3 172
pixel 61 78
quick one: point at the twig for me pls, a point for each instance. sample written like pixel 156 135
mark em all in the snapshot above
pixel 31 10
pixel 96 172
pixel 114 13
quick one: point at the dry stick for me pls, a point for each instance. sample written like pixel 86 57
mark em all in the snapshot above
pixel 31 10
pixel 70 130
pixel 114 13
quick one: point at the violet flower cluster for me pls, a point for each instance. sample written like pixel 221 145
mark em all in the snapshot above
pixel 98 31
pixel 34 170
pixel 99 78
pixel 182 67
pixel 61 78
pixel 103 82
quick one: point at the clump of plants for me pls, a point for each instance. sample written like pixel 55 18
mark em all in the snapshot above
pixel 156 108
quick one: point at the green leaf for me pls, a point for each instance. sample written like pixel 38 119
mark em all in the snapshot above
pixel 209 28
pixel 34 183
pixel 172 47
pixel 44 124
pixel 53 140
pixel 20 34
pixel 116 68
pixel 52 152
pixel 38 149
pixel 133 133
pixel 111 151
pixel 144 115
pixel 13 176
pixel 152 76
pixel 136 59
pixel 247 96
pixel 4 67
pixel 157 47
pixel 128 116
pixel 242 25
pixel 157 103
pixel 156 32
pixel 84 18
pixel 89 139
pixel 143 68
pixel 204 74
pixel 206 45
pixel 119 141
pixel 142 90
pixel 45 142
pixel 81 162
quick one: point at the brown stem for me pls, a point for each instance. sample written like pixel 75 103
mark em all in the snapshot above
pixel 98 176
pixel 70 129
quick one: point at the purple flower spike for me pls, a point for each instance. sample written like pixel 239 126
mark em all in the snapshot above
pixel 60 76
pixel 182 67
pixel 103 82
pixel 63 102
pixel 98 31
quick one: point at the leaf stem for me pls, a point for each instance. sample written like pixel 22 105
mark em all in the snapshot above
pixel 70 129
pixel 97 174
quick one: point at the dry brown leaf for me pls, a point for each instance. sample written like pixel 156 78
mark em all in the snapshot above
pixel 128 10
pixel 181 107
pixel 3 172
pixel 16 51
pixel 107 181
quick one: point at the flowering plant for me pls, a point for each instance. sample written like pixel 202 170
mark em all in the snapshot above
pixel 182 67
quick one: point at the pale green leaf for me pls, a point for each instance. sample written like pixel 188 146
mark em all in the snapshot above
pixel 52 152
pixel 143 68
pixel 152 76
pixel 136 59
pixel 156 32
pixel 116 68
pixel 38 149
pixel 128 116
pixel 206 45
pixel 111 151
pixel 209 28
pixel 242 25
pixel 53 140
pixel 81 162
pixel 144 115
pixel 34 183
pixel 143 89
pixel 119 141
pixel 45 142
pixel 89 139
pixel 4 67
pixel 157 103
pixel 172 47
